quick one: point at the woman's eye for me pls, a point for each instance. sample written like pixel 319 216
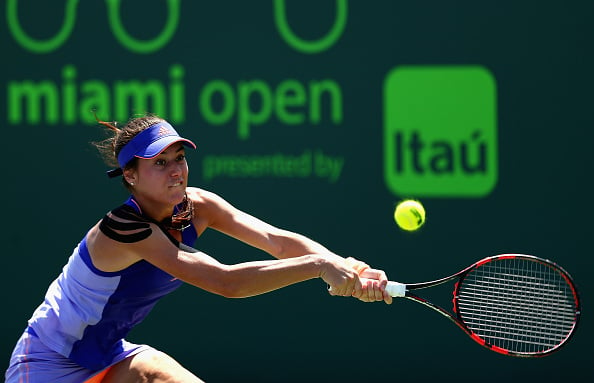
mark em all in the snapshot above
pixel 181 157
pixel 160 162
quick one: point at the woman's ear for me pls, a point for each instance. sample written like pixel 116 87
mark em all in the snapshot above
pixel 130 176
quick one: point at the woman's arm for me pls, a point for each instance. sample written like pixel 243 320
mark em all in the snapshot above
pixel 214 212
pixel 257 277
pixel 236 281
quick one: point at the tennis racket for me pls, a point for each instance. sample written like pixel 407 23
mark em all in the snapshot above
pixel 513 304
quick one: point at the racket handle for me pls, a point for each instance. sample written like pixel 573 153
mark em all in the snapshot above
pixel 395 289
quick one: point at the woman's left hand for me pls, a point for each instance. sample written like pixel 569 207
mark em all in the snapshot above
pixel 373 282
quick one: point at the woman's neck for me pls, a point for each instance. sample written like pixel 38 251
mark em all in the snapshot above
pixel 153 209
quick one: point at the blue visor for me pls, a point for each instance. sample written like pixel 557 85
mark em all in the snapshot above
pixel 151 142
pixel 148 144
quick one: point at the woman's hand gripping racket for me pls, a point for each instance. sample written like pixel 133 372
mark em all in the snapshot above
pixel 513 304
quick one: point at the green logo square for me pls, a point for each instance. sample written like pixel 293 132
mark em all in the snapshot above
pixel 440 131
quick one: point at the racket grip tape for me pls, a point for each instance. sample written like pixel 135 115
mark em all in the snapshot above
pixel 396 289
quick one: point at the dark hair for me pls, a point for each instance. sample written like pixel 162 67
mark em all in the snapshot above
pixel 111 146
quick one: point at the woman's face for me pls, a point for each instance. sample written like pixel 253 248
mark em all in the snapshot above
pixel 162 179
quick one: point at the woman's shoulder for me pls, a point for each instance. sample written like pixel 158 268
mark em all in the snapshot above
pixel 202 197
pixel 210 209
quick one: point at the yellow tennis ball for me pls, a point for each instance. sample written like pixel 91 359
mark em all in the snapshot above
pixel 409 215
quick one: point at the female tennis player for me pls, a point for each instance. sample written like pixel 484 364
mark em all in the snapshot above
pixel 141 251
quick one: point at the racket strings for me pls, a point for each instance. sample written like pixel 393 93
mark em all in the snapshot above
pixel 518 305
pixel 538 301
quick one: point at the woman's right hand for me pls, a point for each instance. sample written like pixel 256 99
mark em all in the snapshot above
pixel 341 277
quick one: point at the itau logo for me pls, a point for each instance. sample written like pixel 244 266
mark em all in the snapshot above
pixel 440 131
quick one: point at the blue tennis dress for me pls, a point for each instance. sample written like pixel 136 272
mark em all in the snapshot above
pixel 80 327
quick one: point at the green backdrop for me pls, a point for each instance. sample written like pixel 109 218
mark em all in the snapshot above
pixel 317 117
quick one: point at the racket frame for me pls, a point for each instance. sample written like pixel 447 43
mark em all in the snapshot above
pixel 402 290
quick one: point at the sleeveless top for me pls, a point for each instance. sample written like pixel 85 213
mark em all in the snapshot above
pixel 87 313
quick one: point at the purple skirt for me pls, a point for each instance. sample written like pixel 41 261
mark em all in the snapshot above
pixel 34 362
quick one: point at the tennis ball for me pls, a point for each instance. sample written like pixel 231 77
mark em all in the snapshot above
pixel 409 215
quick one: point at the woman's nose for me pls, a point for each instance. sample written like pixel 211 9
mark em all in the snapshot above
pixel 176 169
